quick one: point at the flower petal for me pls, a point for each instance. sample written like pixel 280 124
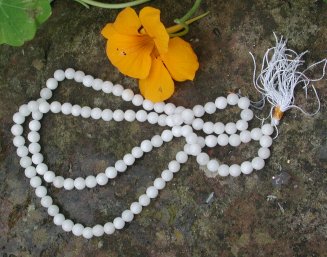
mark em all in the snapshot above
pixel 130 54
pixel 127 22
pixel 150 19
pixel 158 86
pixel 180 60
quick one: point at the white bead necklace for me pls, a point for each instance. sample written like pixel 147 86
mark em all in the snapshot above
pixel 182 122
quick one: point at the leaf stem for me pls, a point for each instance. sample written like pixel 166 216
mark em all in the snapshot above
pixel 189 14
pixel 178 27
pixel 112 6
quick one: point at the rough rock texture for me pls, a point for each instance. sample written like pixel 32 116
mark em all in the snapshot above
pixel 248 216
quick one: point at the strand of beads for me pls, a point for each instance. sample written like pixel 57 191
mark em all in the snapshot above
pixel 182 122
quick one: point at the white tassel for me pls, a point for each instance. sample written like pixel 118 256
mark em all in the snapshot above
pixel 280 76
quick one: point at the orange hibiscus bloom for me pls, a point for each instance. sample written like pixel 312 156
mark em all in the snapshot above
pixel 140 47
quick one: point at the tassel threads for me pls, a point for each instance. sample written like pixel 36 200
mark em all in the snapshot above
pixel 280 76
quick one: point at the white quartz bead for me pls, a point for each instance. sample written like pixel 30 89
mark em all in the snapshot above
pixel 244 103
pixel 111 172
pixel 109 228
pixel 159 183
pixel 69 73
pixel 46 93
pixel 87 233
pixel 34 148
pixel 167 175
pixel 127 95
pixel 208 127
pixel 137 100
pixel 174 166
pixel 69 184
pixel 265 141
pixel 191 138
pixel 234 140
pixel 211 141
pixel 129 159
pixel 88 80
pixel 156 141
pixel 78 229
pixel 18 141
pixel 119 223
pixel 187 115
pixel 107 114
pixel 146 146
pixel 144 200
pixel 44 107
pixel 195 149
pixel 53 210
pixel 170 121
pixel 177 119
pixel 18 118
pixel 202 159
pixel 141 115
pixel 230 128
pixel 181 157
pixel 17 130
pixel 46 201
pixel 162 120
pixel 58 219
pixel 59 75
pixel 129 115
pixel 25 162
pixel 179 109
pixel 136 208
pixel 247 115
pixel 107 87
pixel 201 142
pixel 58 181
pixel 24 110
pixel 223 140
pixel 127 216
pixel 118 115
pixel 159 107
pixel 102 179
pixel 267 129
pixel 232 99
pixel 198 110
pixel 258 163
pixel 167 135
pixel 152 192
pixel 52 83
pixel 264 153
pixel 97 84
pixel 98 230
pixel 76 110
pixel 66 108
pixel 235 170
pixel 90 181
pixel 55 107
pixel 96 113
pixel 256 134
pixel 79 183
pixel 41 168
pixel 35 181
pixel 78 76
pixel 241 125
pixel 120 166
pixel 176 131
pixel 221 102
pixel 218 128
pixel 49 176
pixel 152 117
pixel 40 191
pixel 33 106
pixel 223 170
pixel 67 225
pixel 213 165
pixel 137 152
pixel 169 108
pixel 22 151
pixel 33 137
pixel 197 124
pixel 37 158
pixel 245 136
pixel 86 112
pixel 210 107
pixel 37 115
pixel 147 105
pixel 30 172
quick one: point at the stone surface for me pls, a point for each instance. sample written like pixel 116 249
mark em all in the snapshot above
pixel 247 216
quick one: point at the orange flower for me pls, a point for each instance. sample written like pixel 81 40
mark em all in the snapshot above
pixel 140 47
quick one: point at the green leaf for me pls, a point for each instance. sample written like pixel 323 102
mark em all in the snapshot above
pixel 19 19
